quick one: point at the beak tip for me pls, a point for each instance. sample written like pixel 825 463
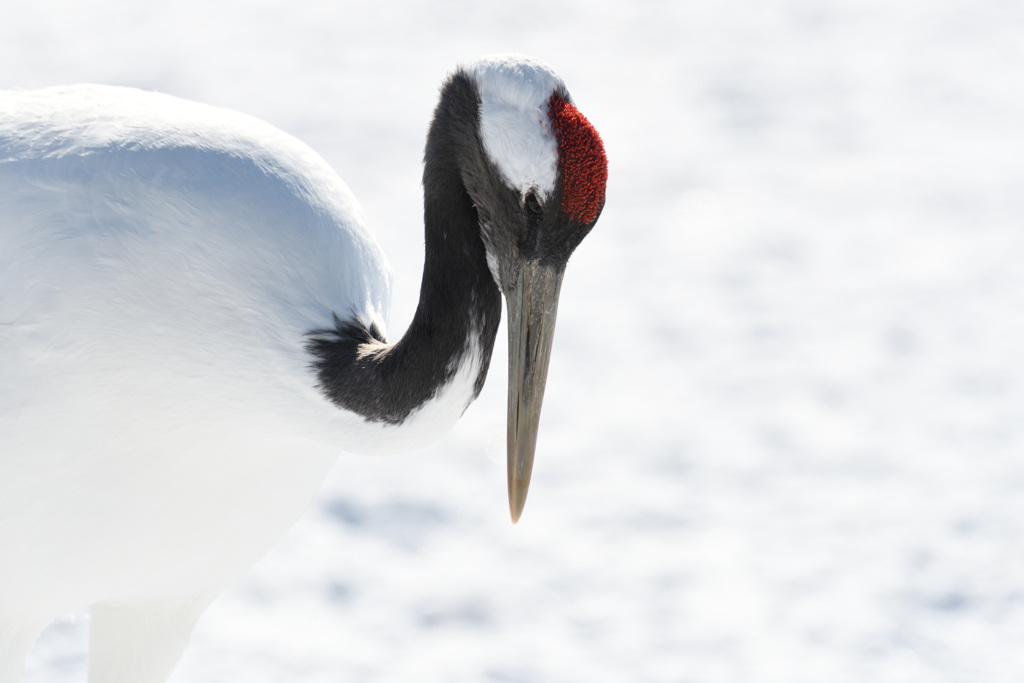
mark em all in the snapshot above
pixel 516 504
pixel 516 514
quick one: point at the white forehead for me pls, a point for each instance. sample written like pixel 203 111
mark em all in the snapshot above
pixel 514 94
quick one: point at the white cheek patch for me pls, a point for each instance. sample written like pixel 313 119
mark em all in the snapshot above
pixel 492 260
pixel 514 127
pixel 492 265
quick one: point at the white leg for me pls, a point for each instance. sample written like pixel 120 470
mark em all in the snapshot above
pixel 139 642
pixel 15 642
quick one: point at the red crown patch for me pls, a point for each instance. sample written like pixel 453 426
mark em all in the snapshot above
pixel 581 162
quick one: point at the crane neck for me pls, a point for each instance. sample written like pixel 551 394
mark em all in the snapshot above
pixel 451 337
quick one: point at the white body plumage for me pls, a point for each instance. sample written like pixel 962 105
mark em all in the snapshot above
pixel 157 404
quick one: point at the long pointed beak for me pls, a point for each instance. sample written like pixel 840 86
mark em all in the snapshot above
pixel 532 306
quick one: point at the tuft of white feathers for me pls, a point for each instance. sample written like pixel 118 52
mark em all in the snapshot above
pixel 517 136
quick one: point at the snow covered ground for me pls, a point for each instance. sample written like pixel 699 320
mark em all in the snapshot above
pixel 784 430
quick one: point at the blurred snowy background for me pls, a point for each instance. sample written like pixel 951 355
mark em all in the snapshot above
pixel 783 436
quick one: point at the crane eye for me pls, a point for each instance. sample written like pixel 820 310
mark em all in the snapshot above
pixel 533 206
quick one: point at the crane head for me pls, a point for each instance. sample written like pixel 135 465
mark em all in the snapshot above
pixel 541 190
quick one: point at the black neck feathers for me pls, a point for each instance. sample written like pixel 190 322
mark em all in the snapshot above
pixel 459 307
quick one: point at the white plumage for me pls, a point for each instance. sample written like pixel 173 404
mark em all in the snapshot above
pixel 161 265
pixel 514 125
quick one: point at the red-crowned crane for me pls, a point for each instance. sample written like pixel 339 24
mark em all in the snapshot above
pixel 192 324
